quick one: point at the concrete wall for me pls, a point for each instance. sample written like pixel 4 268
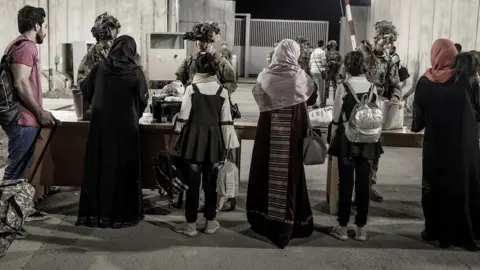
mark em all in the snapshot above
pixel 221 11
pixel 71 20
pixel 421 22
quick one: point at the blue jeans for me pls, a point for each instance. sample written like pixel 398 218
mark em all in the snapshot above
pixel 20 139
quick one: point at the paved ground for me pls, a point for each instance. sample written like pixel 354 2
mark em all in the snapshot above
pixel 394 232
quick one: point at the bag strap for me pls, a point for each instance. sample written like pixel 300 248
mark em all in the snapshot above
pixel 309 122
pixel 219 91
pixel 195 89
pixel 348 87
pixel 370 94
pixel 14 47
pixel 315 59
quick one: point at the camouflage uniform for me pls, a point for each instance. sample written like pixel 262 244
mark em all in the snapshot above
pixel 96 54
pixel 270 56
pixel 16 203
pixel 104 30
pixel 304 60
pixel 226 73
pixel 381 71
pixel 227 54
pixel 334 62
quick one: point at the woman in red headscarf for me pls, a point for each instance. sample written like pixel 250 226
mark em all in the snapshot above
pixel 451 154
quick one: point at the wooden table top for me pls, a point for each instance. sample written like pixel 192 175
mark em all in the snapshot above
pixel 69 117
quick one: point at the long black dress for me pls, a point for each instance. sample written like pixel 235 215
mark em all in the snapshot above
pixel 111 194
pixel 451 161
pixel 278 206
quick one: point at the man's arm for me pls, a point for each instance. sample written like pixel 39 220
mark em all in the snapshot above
pixel 21 75
pixel 227 76
pixel 83 71
pixel 394 83
pixel 182 72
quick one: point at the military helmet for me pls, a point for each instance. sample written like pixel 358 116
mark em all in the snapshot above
pixel 204 31
pixel 385 30
pixel 104 24
pixel 332 44
pixel 301 40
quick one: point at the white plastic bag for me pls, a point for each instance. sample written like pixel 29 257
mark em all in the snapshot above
pixel 227 182
pixel 321 117
pixel 393 114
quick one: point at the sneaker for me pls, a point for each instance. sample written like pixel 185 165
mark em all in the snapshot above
pixel 360 234
pixel 37 215
pixel 22 234
pixel 339 232
pixel 188 229
pixel 375 196
pixel 211 227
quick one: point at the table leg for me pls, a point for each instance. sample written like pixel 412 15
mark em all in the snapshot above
pixel 332 185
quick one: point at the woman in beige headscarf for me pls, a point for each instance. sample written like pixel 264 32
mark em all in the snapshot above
pixel 277 201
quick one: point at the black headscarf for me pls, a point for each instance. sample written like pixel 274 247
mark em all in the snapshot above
pixel 121 58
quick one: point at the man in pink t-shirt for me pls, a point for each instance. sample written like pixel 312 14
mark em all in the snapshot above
pixel 27 81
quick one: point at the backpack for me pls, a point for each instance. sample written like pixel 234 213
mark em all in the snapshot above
pixel 9 109
pixel 366 119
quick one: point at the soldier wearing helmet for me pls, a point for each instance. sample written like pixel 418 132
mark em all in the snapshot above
pixel 205 34
pixel 334 62
pixel 304 59
pixel 105 29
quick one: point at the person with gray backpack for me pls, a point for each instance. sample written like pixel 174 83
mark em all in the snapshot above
pixel 356 131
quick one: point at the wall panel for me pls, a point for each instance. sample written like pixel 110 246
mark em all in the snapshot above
pixel 403 30
pixel 442 20
pixel 71 20
pixel 426 33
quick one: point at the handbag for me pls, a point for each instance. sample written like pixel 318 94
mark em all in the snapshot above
pixel 393 114
pixel 314 146
pixel 403 73
pixel 234 110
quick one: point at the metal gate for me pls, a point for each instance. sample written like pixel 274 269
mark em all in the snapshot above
pixel 239 45
pixel 254 39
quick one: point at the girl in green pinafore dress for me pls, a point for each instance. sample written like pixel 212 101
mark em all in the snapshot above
pixel 206 132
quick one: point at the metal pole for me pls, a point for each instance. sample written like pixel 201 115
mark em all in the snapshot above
pixel 350 24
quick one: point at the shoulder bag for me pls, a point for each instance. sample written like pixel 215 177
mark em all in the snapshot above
pixel 314 146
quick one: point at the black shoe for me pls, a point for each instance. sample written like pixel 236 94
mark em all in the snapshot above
pixel 37 215
pixel 375 196
pixel 233 205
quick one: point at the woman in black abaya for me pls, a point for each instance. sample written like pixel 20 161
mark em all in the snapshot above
pixel 117 91
pixel 451 156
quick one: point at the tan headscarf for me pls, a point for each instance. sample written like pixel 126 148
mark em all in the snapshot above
pixel 442 57
pixel 283 84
